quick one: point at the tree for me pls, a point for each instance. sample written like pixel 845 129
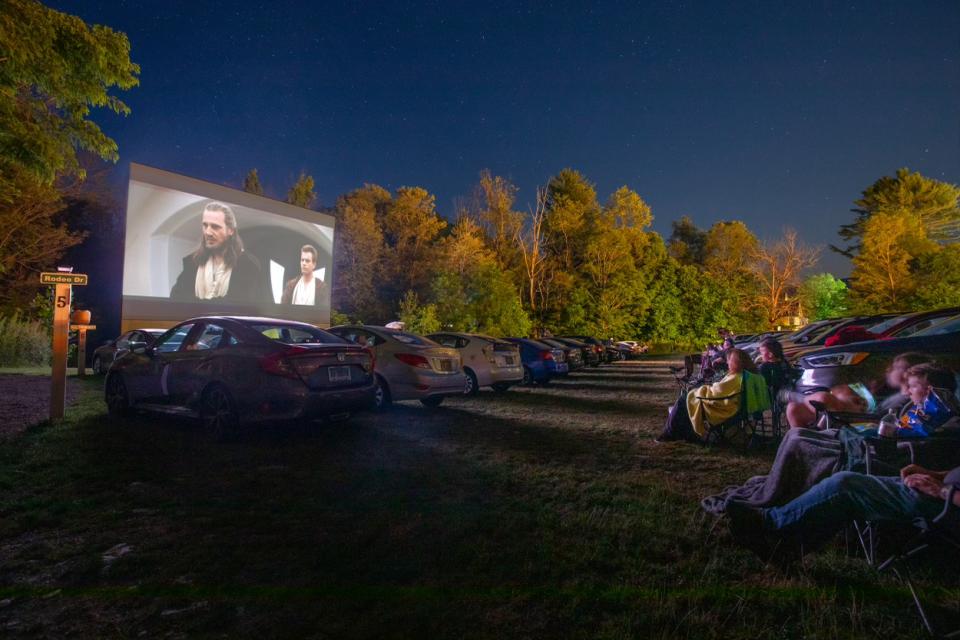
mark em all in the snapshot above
pixel 301 193
pixel 411 225
pixel 881 278
pixel 778 267
pixel 358 256
pixel 727 248
pixel 417 318
pixel 933 206
pixel 824 296
pixel 495 197
pixel 531 243
pixel 687 241
pixel 54 69
pixel 464 249
pixel 938 279
pixel 251 183
pixel 33 235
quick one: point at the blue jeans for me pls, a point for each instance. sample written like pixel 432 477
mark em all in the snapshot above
pixel 845 496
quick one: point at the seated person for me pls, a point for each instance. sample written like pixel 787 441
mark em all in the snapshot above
pixel 814 517
pixel 931 390
pixel 807 456
pixel 774 366
pixel 855 398
pixel 686 418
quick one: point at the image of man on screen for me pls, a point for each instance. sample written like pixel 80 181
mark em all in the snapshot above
pixel 308 288
pixel 220 269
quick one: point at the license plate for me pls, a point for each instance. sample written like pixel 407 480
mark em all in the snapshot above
pixel 508 361
pixel 446 365
pixel 338 374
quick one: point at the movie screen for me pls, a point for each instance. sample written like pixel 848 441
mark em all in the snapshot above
pixel 196 248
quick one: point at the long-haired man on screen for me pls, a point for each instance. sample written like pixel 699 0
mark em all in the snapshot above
pixel 308 288
pixel 220 269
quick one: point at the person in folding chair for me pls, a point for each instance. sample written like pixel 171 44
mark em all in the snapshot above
pixel 806 523
pixel 707 410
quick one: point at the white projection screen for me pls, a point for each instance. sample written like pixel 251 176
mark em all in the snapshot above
pixel 194 248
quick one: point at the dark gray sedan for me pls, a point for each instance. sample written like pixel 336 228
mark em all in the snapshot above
pixel 233 370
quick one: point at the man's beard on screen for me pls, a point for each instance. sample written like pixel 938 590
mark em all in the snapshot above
pixel 231 249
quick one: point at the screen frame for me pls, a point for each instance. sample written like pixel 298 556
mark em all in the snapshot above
pixel 143 311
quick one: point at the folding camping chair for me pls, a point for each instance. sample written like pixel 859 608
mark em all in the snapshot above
pixel 749 424
pixel 943 531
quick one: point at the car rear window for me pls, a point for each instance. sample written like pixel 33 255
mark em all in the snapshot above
pixel 883 325
pixel 947 326
pixel 409 338
pixel 296 334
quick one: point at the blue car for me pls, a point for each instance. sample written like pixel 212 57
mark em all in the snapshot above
pixel 541 362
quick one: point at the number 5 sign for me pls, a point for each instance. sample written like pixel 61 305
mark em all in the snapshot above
pixel 62 281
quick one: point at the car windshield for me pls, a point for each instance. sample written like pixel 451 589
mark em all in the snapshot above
pixel 950 325
pixel 883 325
pixel 409 338
pixel 296 334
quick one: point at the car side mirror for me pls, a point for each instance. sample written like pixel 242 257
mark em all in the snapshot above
pixel 140 348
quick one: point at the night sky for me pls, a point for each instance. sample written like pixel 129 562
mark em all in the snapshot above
pixel 773 113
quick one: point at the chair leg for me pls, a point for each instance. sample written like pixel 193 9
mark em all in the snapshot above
pixel 903 574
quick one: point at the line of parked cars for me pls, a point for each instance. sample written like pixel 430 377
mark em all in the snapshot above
pixel 859 348
pixel 231 370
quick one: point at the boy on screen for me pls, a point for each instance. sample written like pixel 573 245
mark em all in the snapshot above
pixel 307 289
pixel 220 269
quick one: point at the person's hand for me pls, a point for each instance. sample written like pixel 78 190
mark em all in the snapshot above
pixel 925 484
pixel 911 469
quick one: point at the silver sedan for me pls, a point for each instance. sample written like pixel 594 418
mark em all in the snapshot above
pixel 487 362
pixel 407 366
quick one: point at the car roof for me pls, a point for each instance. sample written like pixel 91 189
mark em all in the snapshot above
pixel 251 320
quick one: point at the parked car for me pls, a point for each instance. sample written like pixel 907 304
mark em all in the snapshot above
pixel 486 361
pixel 408 366
pixel 229 370
pixel 597 345
pixel 631 348
pixel 572 355
pixel 864 361
pixel 105 354
pixel 588 352
pixel 541 362
pixel 916 322
pixel 816 339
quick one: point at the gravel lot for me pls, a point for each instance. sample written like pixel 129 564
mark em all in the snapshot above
pixel 25 401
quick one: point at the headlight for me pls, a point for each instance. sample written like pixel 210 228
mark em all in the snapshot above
pixel 844 359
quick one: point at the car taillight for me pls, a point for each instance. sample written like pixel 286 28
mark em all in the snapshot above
pixel 598 349
pixel 546 355
pixel 278 365
pixel 413 360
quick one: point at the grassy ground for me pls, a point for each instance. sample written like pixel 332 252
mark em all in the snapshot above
pixel 546 512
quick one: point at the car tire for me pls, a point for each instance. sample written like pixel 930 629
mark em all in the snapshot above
pixel 116 396
pixel 381 396
pixel 97 366
pixel 527 377
pixel 500 387
pixel 470 387
pixel 432 401
pixel 218 412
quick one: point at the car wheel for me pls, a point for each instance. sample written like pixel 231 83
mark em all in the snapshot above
pixel 97 366
pixel 527 377
pixel 500 387
pixel 116 396
pixel 470 387
pixel 431 401
pixel 381 396
pixel 219 413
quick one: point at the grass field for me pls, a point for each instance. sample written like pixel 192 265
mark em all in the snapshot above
pixel 544 513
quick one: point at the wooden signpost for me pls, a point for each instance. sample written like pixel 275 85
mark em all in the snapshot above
pixel 63 281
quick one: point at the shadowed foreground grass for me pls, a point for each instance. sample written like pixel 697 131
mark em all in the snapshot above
pixel 545 512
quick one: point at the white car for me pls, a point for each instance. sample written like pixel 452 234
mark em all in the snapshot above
pixel 487 362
